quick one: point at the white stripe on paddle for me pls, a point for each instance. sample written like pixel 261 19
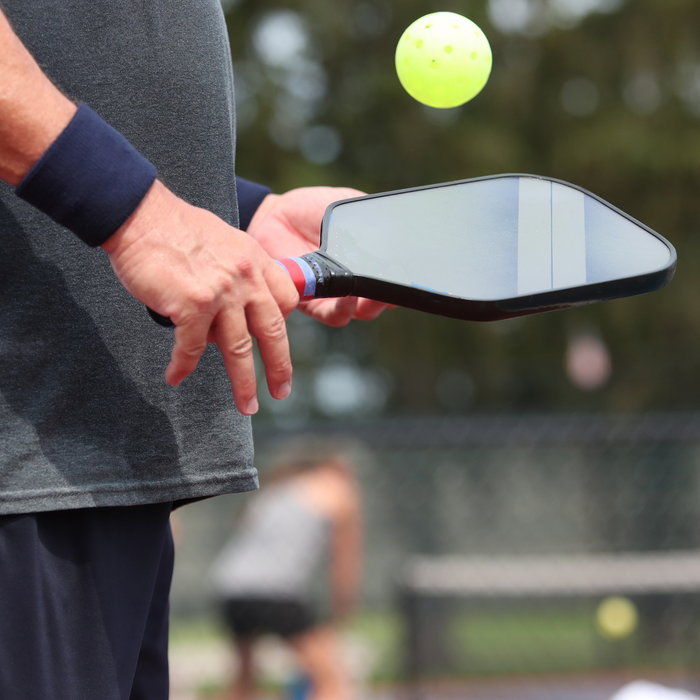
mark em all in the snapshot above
pixel 551 236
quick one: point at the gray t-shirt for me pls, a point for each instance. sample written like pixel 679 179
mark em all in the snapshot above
pixel 86 418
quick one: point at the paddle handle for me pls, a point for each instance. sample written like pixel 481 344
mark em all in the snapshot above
pixel 315 276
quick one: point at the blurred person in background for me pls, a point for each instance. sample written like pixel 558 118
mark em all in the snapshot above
pixel 308 514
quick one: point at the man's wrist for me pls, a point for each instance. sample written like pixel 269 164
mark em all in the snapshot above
pixel 90 179
pixel 261 212
pixel 157 204
pixel 250 196
pixel 19 156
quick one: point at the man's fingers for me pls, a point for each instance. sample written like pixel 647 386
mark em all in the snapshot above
pixel 257 307
pixel 332 312
pixel 339 312
pixel 266 323
pixel 236 347
pixel 368 310
pixel 190 343
pixel 281 286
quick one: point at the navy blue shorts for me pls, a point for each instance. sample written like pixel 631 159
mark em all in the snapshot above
pixel 84 604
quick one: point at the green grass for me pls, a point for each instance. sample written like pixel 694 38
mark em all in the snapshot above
pixel 522 641
pixel 383 632
pixel 499 641
pixel 554 638
pixel 196 629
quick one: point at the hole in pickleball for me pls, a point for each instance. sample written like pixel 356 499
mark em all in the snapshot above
pixel 406 62
pixel 448 49
pixel 474 55
pixel 434 64
pixel 427 26
pixel 419 43
pixel 455 26
pixel 407 37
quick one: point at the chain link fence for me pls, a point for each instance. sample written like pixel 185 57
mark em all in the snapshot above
pixel 505 491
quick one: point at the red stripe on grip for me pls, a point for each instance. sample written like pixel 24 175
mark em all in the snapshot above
pixel 296 273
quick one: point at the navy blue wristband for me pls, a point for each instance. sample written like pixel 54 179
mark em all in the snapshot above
pixel 250 197
pixel 90 179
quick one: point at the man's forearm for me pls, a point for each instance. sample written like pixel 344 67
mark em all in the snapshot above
pixel 33 112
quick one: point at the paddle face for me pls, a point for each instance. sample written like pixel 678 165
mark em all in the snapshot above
pixel 488 249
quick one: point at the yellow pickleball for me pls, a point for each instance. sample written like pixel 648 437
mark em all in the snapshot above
pixel 443 60
pixel 617 617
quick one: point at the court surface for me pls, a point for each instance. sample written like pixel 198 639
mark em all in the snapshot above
pixel 560 687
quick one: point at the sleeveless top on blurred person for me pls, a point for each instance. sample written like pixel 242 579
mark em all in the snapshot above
pixel 86 416
pixel 300 515
pixel 278 548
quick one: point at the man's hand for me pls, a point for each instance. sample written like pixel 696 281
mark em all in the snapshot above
pixel 216 284
pixel 289 225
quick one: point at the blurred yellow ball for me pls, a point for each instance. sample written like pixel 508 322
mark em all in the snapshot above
pixel 616 617
pixel 443 60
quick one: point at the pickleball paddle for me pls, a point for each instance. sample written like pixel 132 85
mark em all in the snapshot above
pixel 484 249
